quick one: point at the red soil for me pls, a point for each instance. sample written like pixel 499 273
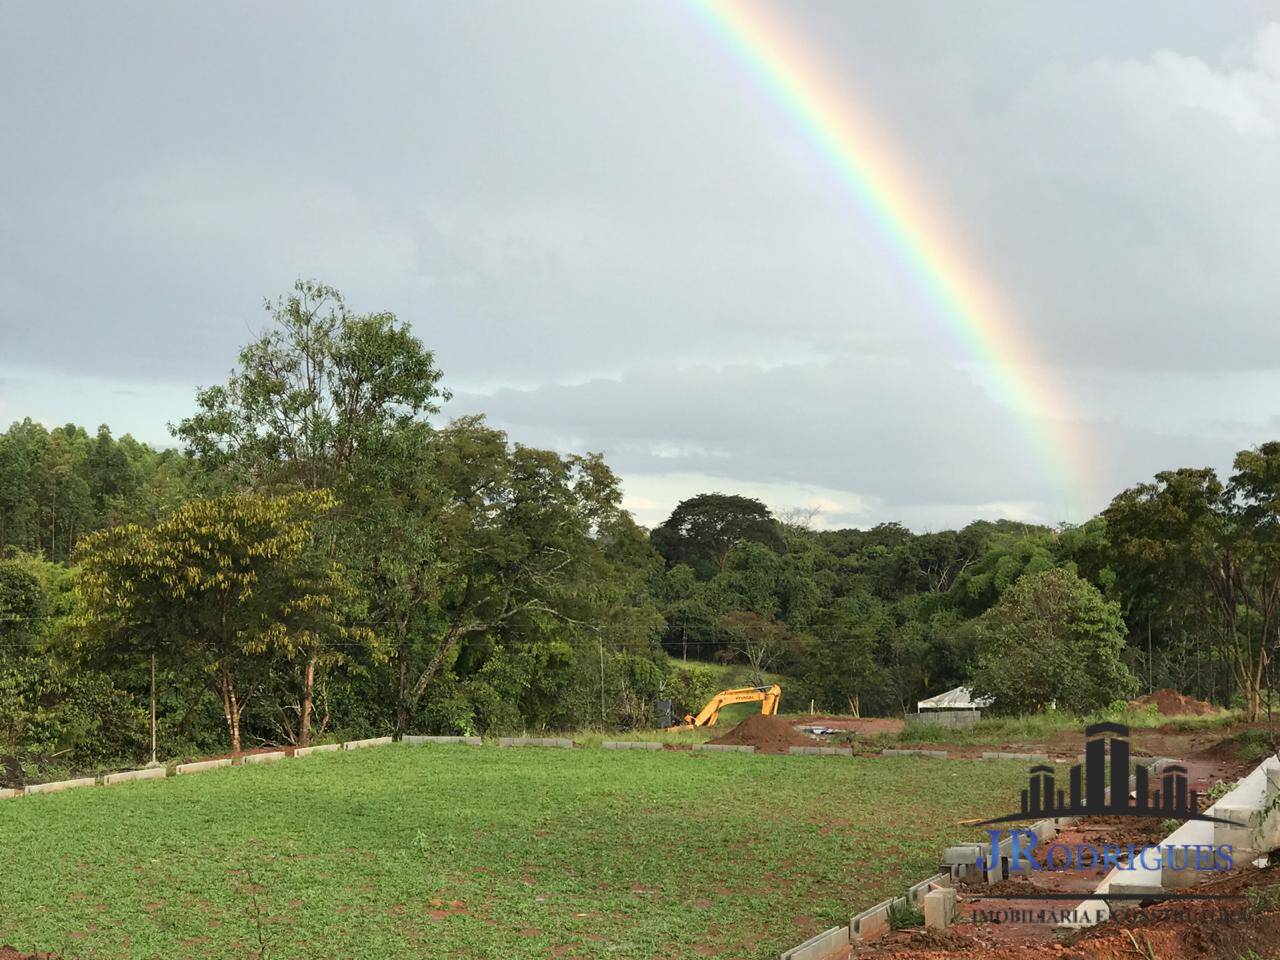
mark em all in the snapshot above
pixel 863 725
pixel 8 953
pixel 766 734
pixel 1170 703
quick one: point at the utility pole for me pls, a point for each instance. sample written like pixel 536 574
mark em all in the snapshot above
pixel 154 762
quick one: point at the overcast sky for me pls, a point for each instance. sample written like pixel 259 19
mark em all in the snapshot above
pixel 615 240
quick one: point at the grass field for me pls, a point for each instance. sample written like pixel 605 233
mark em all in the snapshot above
pixel 481 852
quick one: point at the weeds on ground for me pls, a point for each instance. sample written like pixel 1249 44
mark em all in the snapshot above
pixel 1041 727
pixel 1262 899
pixel 903 914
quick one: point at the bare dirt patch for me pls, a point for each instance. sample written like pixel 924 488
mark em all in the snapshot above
pixel 1171 703
pixel 867 726
pixel 766 734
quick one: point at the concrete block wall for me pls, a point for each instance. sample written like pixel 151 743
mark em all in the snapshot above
pixel 917 891
pixel 946 718
pixel 201 766
pixel 59 785
pixel 321 748
pixel 821 751
pixel 561 742
pixel 151 773
pixel 829 943
pixel 631 745
pixel 873 923
pixel 936 754
pixel 264 757
pixel 723 748
pixel 371 742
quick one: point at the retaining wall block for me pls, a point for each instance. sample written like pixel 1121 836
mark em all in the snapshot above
pixel 201 766
pixel 873 923
pixel 964 853
pixel 150 773
pixel 997 872
pixel 1044 830
pixel 821 751
pixel 371 742
pixel 936 754
pixel 59 785
pixel 631 745
pixel 6 793
pixel 724 748
pixel 996 755
pixel 318 748
pixel 561 742
pixel 827 944
pixel 265 757
pixel 916 892
pixel 939 908
pixel 468 741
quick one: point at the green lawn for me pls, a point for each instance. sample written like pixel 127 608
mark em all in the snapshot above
pixel 481 852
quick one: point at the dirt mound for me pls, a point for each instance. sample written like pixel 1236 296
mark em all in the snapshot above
pixel 1171 703
pixel 766 734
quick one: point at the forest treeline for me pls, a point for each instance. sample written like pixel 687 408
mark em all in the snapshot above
pixel 320 556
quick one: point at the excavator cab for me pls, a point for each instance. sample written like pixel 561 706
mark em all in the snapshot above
pixel 768 697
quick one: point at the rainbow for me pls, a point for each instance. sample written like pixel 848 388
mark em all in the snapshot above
pixel 865 163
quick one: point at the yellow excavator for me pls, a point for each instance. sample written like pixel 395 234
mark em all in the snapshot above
pixel 768 697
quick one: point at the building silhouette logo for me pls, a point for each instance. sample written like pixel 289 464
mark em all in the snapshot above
pixel 1091 791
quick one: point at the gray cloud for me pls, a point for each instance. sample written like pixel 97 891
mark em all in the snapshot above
pixel 613 237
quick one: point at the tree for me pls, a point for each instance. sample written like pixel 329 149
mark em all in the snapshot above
pixel 234 583
pixel 321 388
pixel 758 640
pixel 703 529
pixel 532 545
pixel 1052 638
pixel 1187 542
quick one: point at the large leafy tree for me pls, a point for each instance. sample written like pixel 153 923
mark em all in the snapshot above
pixel 703 529
pixel 1193 548
pixel 531 545
pixel 320 390
pixel 1052 638
pixel 234 584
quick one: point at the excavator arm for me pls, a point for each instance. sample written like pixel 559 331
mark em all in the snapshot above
pixel 768 697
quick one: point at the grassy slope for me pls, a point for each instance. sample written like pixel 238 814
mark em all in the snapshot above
pixel 481 852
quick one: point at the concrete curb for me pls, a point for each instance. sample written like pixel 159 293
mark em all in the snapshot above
pixel 827 944
pixel 201 766
pixel 631 745
pixel 821 751
pixel 468 741
pixel 723 748
pixel 6 793
pixel 935 754
pixel 996 755
pixel 873 923
pixel 371 742
pixel 151 773
pixel 321 748
pixel 535 742
pixel 917 891
pixel 264 757
pixel 59 785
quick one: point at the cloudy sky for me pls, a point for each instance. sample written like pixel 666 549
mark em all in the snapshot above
pixel 615 239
